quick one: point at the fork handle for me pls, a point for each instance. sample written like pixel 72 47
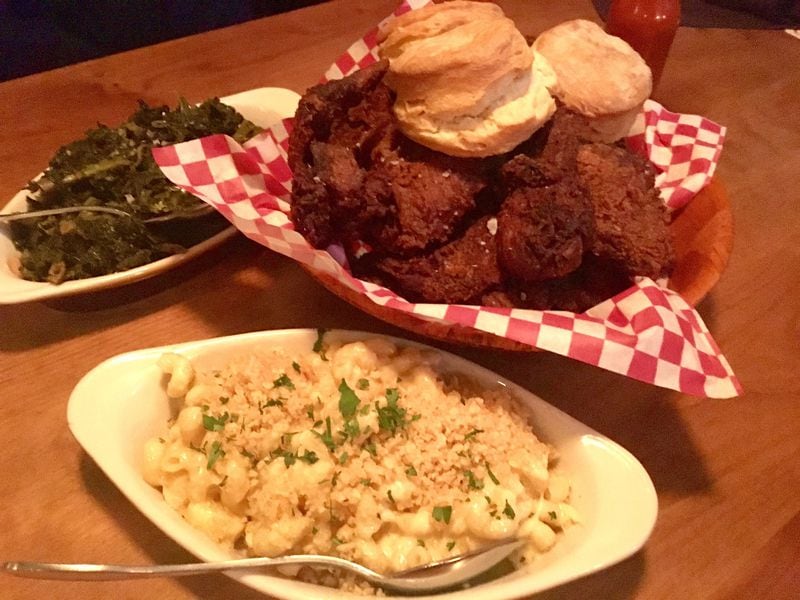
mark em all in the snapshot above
pixel 93 572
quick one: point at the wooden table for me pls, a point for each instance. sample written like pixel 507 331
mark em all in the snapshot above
pixel 727 472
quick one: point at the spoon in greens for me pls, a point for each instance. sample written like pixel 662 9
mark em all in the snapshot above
pixel 436 575
pixel 200 210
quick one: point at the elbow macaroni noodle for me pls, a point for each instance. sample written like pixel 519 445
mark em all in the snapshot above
pixel 363 451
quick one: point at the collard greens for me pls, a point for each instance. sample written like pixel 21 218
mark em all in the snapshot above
pixel 114 166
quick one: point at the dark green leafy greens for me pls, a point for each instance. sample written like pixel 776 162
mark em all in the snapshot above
pixel 113 166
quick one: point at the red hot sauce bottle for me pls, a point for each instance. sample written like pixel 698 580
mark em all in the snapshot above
pixel 649 26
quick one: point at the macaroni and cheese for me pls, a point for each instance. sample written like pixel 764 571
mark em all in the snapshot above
pixel 362 450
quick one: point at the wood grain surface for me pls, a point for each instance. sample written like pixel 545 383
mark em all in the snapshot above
pixel 727 472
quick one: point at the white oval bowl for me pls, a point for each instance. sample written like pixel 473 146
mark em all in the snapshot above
pixel 262 106
pixel 121 403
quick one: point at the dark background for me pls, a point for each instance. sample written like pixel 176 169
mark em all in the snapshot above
pixel 40 35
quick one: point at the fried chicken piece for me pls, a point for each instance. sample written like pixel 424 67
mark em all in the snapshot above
pixel 359 103
pixel 332 121
pixel 546 221
pixel 630 218
pixel 455 273
pixel 429 195
pixel 543 232
pixel 337 167
pixel 594 281
pixel 549 155
pixel 356 179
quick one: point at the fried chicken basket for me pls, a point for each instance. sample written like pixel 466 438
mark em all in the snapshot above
pixel 649 332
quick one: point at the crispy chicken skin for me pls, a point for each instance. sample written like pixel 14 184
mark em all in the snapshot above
pixel 556 223
pixel 545 223
pixel 543 231
pixel 455 273
pixel 429 195
pixel 592 282
pixel 630 218
pixel 549 155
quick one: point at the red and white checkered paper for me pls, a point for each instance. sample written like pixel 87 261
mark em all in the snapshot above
pixel 647 332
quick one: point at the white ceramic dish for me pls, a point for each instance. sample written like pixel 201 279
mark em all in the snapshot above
pixel 263 106
pixel 121 403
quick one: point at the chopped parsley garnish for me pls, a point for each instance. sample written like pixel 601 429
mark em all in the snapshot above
pixel 391 417
pixel 411 471
pixel 348 401
pixel 508 511
pixel 552 514
pixel 472 434
pixel 366 481
pixel 318 347
pixel 389 494
pixel 363 384
pixel 214 454
pixel 336 541
pixel 370 447
pixel 473 482
pixel 283 381
pixel 295 366
pixel 442 513
pixel 310 411
pixel 215 423
pixel 450 546
pixel 289 458
pixel 286 438
pixel 343 458
pixel 351 429
pixel 273 402
pixel 327 436
pixel 491 475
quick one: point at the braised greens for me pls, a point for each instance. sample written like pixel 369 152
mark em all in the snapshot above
pixel 113 166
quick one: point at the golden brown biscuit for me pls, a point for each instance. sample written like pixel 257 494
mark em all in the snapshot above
pixel 595 74
pixel 464 78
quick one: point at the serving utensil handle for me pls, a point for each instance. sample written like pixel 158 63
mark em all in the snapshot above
pixel 93 572
pixel 96 572
pixel 88 572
